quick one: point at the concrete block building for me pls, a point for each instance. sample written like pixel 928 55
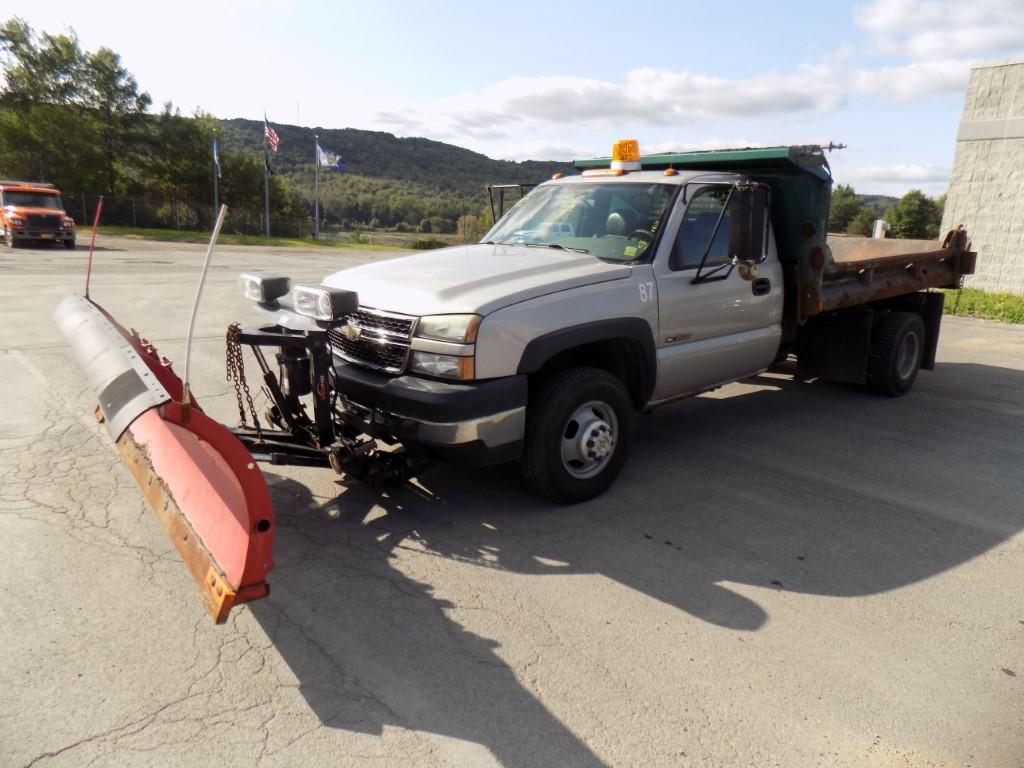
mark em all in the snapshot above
pixel 986 188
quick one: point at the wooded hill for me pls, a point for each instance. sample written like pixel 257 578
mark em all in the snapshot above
pixel 388 181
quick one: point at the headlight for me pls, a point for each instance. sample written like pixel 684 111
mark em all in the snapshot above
pixel 17 222
pixel 443 366
pixel 324 303
pixel 458 328
pixel 69 223
pixel 263 288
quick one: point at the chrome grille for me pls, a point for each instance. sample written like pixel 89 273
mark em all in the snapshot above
pixel 383 342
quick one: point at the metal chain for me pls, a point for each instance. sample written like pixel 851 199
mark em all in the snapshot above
pixel 235 373
pixel 959 290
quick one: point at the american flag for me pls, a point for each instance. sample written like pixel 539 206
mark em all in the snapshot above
pixel 270 135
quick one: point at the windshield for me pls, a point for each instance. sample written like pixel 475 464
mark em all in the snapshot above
pixel 33 200
pixel 615 221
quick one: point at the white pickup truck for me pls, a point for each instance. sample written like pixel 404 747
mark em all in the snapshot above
pixel 643 280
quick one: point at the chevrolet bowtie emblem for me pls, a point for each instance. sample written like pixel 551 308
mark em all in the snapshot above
pixel 351 332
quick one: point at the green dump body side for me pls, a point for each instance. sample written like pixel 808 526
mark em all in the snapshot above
pixel 818 280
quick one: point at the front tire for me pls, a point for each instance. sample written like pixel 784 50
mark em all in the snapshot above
pixel 578 435
pixel 69 244
pixel 896 353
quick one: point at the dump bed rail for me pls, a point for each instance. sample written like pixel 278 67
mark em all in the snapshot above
pixel 859 270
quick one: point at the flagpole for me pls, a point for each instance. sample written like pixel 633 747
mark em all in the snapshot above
pixel 266 190
pixel 266 174
pixel 316 187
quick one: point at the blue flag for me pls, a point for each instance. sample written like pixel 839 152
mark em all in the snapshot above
pixel 327 159
pixel 216 156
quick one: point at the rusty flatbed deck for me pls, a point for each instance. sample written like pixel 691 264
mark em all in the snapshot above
pixel 860 270
pixel 857 253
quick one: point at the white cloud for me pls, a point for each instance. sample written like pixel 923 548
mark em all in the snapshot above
pixel 663 147
pixel 915 80
pixel 938 39
pixel 907 173
pixel 895 180
pixel 647 97
pixel 541 150
pixel 927 30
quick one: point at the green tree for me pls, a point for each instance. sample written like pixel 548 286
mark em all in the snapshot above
pixel 940 208
pixel 913 217
pixel 176 159
pixel 845 207
pixel 112 96
pixel 65 115
pixel 44 132
pixel 863 223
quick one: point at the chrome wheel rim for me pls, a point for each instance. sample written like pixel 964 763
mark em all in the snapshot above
pixel 588 439
pixel 907 360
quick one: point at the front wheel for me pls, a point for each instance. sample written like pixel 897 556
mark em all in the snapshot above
pixel 69 244
pixel 578 435
pixel 896 353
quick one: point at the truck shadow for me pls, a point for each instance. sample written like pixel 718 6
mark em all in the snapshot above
pixel 772 484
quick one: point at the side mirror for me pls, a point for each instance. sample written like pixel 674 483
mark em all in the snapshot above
pixel 748 216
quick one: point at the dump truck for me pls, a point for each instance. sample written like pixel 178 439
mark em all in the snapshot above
pixel 598 297
pixel 32 211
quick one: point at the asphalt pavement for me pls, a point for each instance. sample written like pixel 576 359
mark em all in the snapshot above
pixel 786 574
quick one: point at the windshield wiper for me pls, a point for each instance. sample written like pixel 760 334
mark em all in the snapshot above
pixel 557 246
pixel 497 242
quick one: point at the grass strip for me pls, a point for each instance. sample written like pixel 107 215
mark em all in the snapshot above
pixel 185 236
pixel 1004 307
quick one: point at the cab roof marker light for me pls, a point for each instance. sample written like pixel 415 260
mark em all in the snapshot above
pixel 604 172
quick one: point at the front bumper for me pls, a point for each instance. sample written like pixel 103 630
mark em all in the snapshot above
pixel 480 422
pixel 47 235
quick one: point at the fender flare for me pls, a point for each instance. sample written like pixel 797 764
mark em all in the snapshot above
pixel 541 349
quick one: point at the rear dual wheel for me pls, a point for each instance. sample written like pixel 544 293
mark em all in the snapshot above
pixel 578 435
pixel 896 353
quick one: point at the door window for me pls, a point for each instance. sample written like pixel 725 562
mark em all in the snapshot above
pixel 697 228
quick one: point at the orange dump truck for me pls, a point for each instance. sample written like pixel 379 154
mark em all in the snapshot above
pixel 33 211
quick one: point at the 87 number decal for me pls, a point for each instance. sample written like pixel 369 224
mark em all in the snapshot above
pixel 646 292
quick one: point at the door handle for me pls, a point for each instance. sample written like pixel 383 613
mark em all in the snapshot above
pixel 761 286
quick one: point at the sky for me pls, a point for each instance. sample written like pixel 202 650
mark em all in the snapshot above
pixel 563 79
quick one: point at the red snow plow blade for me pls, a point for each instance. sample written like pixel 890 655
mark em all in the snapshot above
pixel 205 487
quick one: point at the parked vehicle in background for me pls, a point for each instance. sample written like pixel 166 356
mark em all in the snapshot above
pixel 33 211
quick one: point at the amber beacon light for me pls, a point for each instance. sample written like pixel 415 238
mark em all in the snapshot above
pixel 626 155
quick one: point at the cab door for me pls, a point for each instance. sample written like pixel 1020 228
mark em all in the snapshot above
pixel 716 326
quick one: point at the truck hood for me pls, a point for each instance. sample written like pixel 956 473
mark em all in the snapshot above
pixel 471 278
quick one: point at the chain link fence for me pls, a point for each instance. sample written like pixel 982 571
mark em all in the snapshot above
pixel 187 216
pixel 182 215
